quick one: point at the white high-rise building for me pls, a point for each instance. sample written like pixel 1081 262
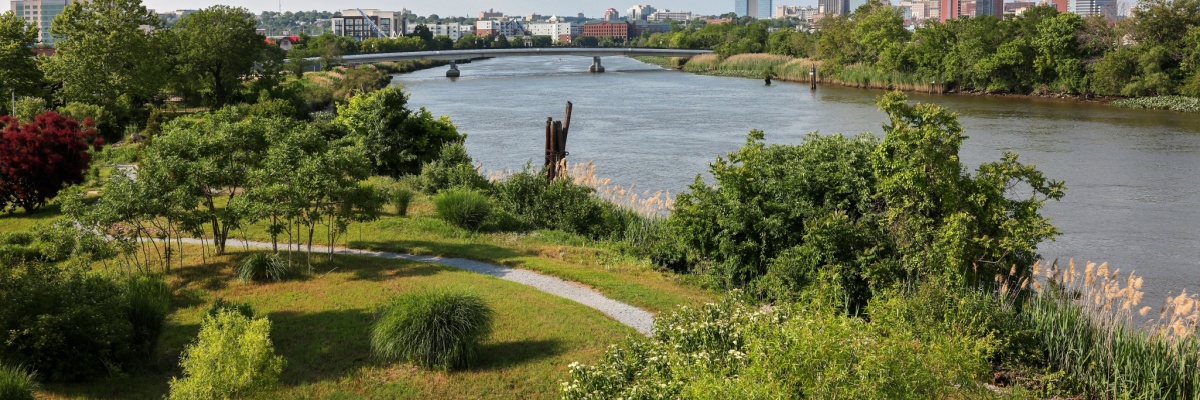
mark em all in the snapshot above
pixel 668 15
pixel 352 24
pixel 562 32
pixel 1087 8
pixel 639 12
pixel 452 30
pixel 40 13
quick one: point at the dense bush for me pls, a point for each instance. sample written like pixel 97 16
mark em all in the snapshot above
pixel 452 168
pixel 63 322
pixel 464 208
pixel 736 350
pixel 398 140
pixel 221 305
pixel 432 329
pixel 16 383
pixel 262 267
pixel 864 212
pixel 560 204
pixel 232 357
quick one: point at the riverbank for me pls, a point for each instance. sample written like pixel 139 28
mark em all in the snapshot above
pixel 800 70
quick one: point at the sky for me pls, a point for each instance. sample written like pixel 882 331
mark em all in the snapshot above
pixel 470 8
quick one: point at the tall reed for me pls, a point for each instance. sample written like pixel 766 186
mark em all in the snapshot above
pixel 1085 322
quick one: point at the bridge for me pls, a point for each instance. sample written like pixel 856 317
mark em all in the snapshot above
pixel 454 55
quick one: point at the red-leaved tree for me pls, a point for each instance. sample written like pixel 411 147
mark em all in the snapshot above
pixel 38 159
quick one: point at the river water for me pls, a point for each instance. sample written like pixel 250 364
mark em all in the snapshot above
pixel 1133 176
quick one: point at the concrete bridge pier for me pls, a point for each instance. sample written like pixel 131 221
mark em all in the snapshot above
pixel 596 67
pixel 453 71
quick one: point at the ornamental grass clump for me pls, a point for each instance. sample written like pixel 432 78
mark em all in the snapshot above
pixel 263 267
pixel 16 383
pixel 401 198
pixel 439 330
pixel 232 357
pixel 465 208
pixel 148 302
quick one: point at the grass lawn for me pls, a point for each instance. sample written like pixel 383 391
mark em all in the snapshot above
pixel 320 324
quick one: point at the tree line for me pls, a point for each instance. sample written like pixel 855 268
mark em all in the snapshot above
pixel 1155 51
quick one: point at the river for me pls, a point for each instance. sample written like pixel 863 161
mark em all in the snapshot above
pixel 1133 176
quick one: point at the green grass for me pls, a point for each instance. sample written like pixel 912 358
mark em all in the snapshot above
pixel 569 257
pixel 321 326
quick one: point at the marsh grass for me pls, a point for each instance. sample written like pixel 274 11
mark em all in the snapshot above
pixel 1085 320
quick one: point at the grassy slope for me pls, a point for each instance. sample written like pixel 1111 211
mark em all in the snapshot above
pixel 320 325
pixel 607 270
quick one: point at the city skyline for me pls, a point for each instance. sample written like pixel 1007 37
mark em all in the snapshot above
pixel 470 8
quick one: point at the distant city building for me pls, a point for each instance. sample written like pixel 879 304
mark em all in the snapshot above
pixel 917 11
pixel 490 14
pixel 452 30
pixel 806 13
pixel 495 28
pixel 753 8
pixel 1060 5
pixel 352 24
pixel 1018 7
pixel 580 16
pixel 951 9
pixel 1087 8
pixel 40 13
pixel 639 12
pixel 533 17
pixel 619 31
pixel 642 27
pixel 561 32
pixel 611 15
pixel 668 15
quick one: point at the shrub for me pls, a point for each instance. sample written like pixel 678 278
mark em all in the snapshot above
pixel 432 329
pixel 232 357
pixel 41 156
pixel 401 197
pixel 452 168
pixel 562 205
pixel 16 383
pixel 149 301
pixel 263 266
pixel 221 305
pixel 65 323
pixel 736 350
pixel 465 208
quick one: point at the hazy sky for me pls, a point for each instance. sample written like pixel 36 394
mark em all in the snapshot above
pixel 471 7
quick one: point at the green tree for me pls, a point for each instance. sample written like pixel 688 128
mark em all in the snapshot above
pixel 397 140
pixel 879 30
pixel 110 53
pixel 20 72
pixel 216 49
pixel 1058 59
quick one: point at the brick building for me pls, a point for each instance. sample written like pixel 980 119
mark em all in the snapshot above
pixel 619 31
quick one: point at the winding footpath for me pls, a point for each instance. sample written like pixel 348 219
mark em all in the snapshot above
pixel 634 317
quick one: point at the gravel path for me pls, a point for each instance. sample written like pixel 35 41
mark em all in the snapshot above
pixel 626 314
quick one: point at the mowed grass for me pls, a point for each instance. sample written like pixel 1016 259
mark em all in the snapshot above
pixel 598 265
pixel 321 322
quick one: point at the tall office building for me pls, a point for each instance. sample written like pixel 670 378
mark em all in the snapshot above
pixel 639 12
pixel 950 9
pixel 40 13
pixel 1087 8
pixel 753 8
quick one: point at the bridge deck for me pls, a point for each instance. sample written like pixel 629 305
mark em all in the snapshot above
pixel 531 52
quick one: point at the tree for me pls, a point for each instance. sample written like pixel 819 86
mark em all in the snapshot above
pixel 20 72
pixel 216 49
pixel 39 158
pixel 210 157
pixel 396 139
pixel 106 57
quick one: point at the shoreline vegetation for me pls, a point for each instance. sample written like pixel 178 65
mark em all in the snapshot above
pixel 797 70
